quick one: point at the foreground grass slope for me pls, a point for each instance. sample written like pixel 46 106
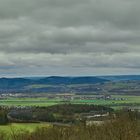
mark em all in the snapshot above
pixel 21 126
pixel 124 127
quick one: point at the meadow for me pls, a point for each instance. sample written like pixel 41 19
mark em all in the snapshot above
pixel 21 126
pixel 128 101
pixel 8 131
pixel 28 102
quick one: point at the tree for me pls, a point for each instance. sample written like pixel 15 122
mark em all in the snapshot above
pixel 3 117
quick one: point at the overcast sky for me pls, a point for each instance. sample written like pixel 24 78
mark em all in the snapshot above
pixel 69 37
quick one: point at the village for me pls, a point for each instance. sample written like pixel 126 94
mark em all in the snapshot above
pixel 63 97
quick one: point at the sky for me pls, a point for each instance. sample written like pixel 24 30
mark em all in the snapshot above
pixel 69 37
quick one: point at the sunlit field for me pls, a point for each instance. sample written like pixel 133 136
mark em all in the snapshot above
pixel 8 131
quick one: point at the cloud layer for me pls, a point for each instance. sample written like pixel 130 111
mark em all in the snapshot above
pixel 69 37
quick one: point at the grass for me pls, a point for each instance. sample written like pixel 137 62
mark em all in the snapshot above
pixel 129 100
pixel 28 102
pixel 18 126
pixel 12 128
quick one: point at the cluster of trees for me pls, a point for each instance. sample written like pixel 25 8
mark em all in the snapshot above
pixel 77 108
pixel 56 113
pixel 3 117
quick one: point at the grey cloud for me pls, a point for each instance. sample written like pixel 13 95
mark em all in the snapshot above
pixel 69 36
pixel 68 40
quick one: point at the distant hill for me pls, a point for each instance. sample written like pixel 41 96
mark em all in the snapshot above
pixel 8 83
pixel 53 80
pixel 21 84
pixel 122 77
pixel 58 84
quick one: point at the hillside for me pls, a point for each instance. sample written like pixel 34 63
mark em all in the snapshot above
pixel 121 77
pixel 25 84
pixel 124 84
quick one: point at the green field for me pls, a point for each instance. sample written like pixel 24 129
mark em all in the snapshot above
pixel 128 101
pixel 28 102
pixel 21 126
pixel 15 128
